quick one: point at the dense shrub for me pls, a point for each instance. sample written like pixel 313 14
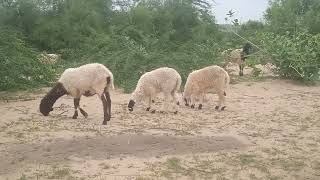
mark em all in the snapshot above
pixel 135 36
pixel 296 56
pixel 19 66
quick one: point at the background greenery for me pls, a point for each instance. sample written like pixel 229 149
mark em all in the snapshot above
pixel 134 36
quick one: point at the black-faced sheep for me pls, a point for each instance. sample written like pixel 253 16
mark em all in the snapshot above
pixel 211 79
pixel 237 56
pixel 87 80
pixel 162 80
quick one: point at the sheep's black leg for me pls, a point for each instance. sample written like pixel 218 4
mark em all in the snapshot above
pixel 241 70
pixel 104 103
pixel 107 94
pixel 85 114
pixel 76 102
pixel 106 109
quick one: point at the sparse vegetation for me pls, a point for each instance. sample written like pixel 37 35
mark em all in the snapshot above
pixel 277 120
pixel 138 36
pixel 60 173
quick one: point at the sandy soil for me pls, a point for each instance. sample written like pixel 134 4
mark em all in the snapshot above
pixel 270 130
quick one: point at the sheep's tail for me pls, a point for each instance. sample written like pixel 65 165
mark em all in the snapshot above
pixel 110 82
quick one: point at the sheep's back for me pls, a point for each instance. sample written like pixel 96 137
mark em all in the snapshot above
pixel 161 79
pixel 84 77
pixel 233 55
pixel 207 78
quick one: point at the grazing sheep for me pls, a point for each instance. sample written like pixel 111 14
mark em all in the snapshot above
pixel 237 56
pixel 49 58
pixel 211 79
pixel 162 80
pixel 87 80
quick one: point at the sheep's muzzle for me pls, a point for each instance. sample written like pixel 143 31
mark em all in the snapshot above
pixel 130 105
pixel 45 108
pixel 47 102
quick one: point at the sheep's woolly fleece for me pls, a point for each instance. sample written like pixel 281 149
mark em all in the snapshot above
pixel 233 56
pixel 165 80
pixel 211 79
pixel 89 77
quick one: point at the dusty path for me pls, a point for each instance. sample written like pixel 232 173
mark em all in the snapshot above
pixel 270 130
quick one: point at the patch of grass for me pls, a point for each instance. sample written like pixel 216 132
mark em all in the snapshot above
pixel 291 165
pixel 23 177
pixel 246 159
pixel 175 168
pixel 174 164
pixel 60 173
pixel 17 98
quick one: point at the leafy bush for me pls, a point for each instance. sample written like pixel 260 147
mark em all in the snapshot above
pixel 296 56
pixel 19 66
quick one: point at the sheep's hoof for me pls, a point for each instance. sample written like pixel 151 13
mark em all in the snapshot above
pixel 178 103
pixel 75 115
pixel 153 111
pixel 148 109
pixel 241 74
pixel 200 106
pixel 192 106
pixel 152 101
pixel 84 113
pixel 104 122
pixel 176 112
pixel 187 104
pixel 130 109
pixel 223 108
pixel 217 107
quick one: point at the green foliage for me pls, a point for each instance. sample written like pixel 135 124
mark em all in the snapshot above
pixel 19 66
pixel 293 16
pixel 134 36
pixel 297 56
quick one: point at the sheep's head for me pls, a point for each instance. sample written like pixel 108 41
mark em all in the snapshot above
pixel 136 96
pixel 46 106
pixel 247 48
pixel 131 104
pixel 47 102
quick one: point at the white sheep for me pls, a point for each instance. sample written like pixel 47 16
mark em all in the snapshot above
pixel 211 79
pixel 162 80
pixel 87 80
pixel 49 58
pixel 237 56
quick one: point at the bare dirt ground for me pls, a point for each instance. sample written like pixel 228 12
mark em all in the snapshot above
pixel 270 130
